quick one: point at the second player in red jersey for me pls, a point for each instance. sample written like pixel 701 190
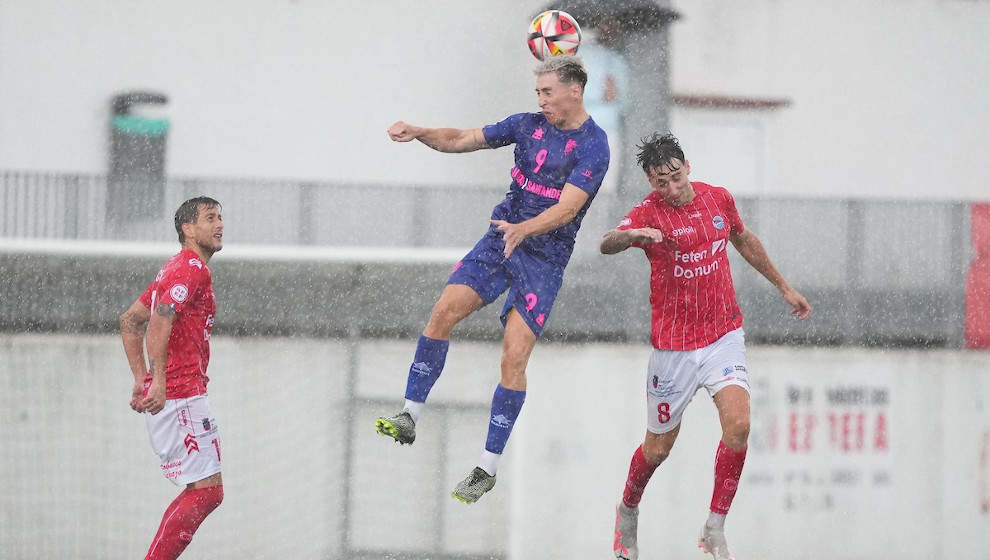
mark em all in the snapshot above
pixel 177 309
pixel 685 228
pixel 691 292
pixel 185 286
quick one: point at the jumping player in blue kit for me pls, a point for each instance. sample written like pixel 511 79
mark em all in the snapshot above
pixel 561 156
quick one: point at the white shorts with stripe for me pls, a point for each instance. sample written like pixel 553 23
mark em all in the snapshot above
pixel 186 438
pixel 674 376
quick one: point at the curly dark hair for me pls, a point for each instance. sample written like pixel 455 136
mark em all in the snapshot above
pixel 658 150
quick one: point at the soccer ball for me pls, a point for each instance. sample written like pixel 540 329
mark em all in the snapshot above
pixel 552 33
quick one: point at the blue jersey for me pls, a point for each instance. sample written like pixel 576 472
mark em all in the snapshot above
pixel 546 159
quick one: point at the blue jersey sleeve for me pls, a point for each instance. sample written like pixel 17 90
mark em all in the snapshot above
pixel 503 132
pixel 591 166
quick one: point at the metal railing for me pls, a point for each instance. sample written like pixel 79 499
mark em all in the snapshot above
pixel 38 205
pixel 878 271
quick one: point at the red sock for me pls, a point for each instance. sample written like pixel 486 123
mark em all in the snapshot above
pixel 728 469
pixel 181 519
pixel 640 471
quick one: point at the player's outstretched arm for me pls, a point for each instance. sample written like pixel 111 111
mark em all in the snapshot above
pixel 159 331
pixel 751 249
pixel 132 325
pixel 618 240
pixel 447 140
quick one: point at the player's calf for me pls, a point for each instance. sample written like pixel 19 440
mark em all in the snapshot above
pixel 181 520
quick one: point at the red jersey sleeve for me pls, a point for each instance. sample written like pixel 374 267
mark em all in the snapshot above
pixel 146 296
pixel 731 213
pixel 641 216
pixel 177 287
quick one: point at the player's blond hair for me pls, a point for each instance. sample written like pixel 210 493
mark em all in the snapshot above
pixel 569 69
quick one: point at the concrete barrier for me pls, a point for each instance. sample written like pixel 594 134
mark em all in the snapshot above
pixel 855 453
pixel 82 286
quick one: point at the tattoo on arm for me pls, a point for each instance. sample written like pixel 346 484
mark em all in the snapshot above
pixel 132 325
pixel 165 310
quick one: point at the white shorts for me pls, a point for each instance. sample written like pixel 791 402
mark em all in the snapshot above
pixel 185 435
pixel 674 376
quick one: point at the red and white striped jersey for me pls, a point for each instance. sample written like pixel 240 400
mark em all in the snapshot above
pixel 691 292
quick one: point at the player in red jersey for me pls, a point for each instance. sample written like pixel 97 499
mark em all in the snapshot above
pixel 178 310
pixel 697 335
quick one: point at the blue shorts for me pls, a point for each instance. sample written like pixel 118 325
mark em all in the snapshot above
pixel 532 282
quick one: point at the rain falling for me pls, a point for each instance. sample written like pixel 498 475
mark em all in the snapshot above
pixel 340 252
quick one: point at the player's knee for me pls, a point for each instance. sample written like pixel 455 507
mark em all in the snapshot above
pixel 655 454
pixel 737 431
pixel 515 380
pixel 441 312
pixel 444 316
pixel 218 496
pixel 512 364
pixel 210 499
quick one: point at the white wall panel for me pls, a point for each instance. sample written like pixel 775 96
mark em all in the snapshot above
pixel 80 480
pixel 887 98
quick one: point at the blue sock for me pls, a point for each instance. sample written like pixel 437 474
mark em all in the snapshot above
pixel 506 405
pixel 426 367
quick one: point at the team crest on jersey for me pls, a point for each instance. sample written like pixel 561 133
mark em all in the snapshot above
pixel 179 292
pixel 718 222
pixel 625 222
pixel 538 134
pixel 197 263
pixel 569 146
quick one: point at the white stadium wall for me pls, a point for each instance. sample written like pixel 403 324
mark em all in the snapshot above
pixel 855 453
pixel 886 99
pixel 873 87
pixel 283 89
